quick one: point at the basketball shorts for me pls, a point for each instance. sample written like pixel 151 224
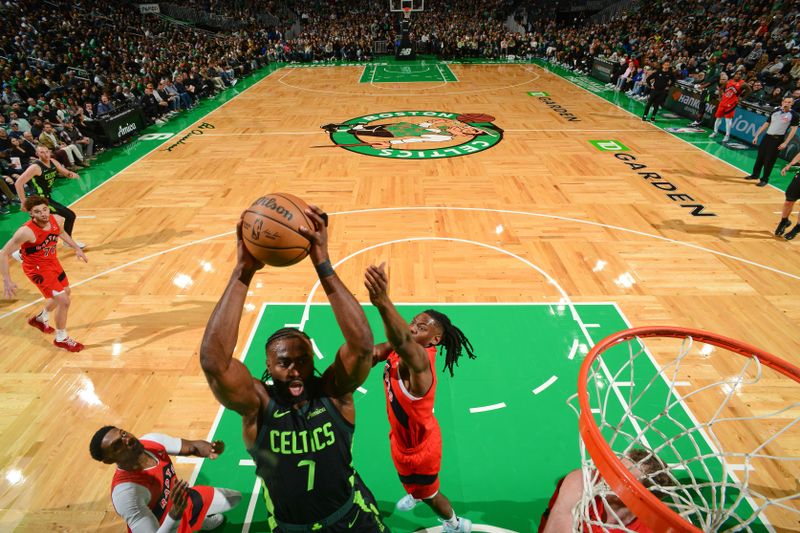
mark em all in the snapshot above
pixel 725 110
pixel 48 279
pixel 418 469
pixel 199 500
pixel 793 190
pixel 363 516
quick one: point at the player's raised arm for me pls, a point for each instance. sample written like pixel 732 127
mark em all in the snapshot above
pixel 229 379
pixel 380 352
pixel 397 329
pixel 559 518
pixel 30 173
pixel 354 358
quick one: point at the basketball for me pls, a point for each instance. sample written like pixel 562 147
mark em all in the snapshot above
pixel 475 117
pixel 270 229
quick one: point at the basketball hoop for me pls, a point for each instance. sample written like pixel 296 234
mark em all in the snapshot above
pixel 627 403
pixel 406 12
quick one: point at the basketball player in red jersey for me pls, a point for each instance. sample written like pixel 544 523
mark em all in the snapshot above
pixel 145 490
pixel 36 242
pixel 410 384
pixel 643 464
pixel 734 89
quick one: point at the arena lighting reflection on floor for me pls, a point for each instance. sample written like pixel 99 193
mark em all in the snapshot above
pixel 14 477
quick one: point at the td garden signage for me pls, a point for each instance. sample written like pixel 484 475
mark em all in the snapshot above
pixel 415 134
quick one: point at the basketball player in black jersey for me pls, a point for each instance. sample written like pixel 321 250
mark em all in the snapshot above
pixel 299 429
pixel 42 174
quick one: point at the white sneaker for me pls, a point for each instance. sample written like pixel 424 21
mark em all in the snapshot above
pixel 212 522
pixel 406 503
pixel 694 124
pixel 16 255
pixel 726 138
pixel 714 134
pixel 464 526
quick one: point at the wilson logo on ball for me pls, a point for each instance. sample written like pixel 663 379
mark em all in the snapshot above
pixel 270 203
pixel 271 229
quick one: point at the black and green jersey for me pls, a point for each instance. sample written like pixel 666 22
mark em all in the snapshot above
pixel 304 458
pixel 43 183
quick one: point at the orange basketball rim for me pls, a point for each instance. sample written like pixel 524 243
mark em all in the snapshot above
pixel 633 494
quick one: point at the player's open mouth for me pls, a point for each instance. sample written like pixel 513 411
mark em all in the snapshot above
pixel 296 388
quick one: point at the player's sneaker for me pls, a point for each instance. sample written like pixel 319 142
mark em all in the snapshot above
pixel 694 124
pixel 792 234
pixel 751 177
pixel 464 526
pixel 41 326
pixel 713 134
pixel 783 225
pixel 762 183
pixel 69 344
pixel 406 503
pixel 212 522
pixel 17 256
pixel 726 138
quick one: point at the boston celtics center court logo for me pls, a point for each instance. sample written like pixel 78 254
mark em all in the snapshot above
pixel 416 134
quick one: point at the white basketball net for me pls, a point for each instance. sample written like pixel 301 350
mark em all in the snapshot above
pixel 718 420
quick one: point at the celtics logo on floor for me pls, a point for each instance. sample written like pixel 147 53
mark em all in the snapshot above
pixel 415 134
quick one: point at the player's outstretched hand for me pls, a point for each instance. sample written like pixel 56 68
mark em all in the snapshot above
pixel 9 288
pixel 245 259
pixel 211 450
pixel 217 447
pixel 318 235
pixel 179 494
pixel 81 255
pixel 377 283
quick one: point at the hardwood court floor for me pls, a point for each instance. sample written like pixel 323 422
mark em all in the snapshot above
pixel 162 251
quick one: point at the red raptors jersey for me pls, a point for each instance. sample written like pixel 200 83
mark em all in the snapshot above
pixel 597 513
pixel 411 419
pixel 159 481
pixel 731 95
pixel 41 252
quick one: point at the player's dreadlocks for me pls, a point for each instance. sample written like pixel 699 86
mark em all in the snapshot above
pixel 453 340
pixel 281 334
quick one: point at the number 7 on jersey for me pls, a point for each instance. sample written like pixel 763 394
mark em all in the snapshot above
pixel 311 466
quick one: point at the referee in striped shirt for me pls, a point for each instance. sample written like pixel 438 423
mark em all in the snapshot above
pixel 775 140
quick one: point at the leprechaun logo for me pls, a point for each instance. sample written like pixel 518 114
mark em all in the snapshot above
pixel 415 134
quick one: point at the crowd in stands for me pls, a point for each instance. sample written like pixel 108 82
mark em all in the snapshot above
pixel 59 73
pixel 338 30
pixel 334 30
pixel 705 40
pixel 465 28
